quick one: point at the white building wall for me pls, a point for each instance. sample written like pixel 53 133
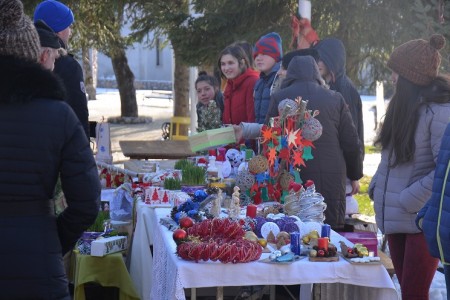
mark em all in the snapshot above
pixel 143 63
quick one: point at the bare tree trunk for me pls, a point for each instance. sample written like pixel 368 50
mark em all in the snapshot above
pixel 181 88
pixel 181 92
pixel 88 80
pixel 94 65
pixel 125 82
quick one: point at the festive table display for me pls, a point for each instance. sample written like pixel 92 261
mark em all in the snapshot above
pixel 234 205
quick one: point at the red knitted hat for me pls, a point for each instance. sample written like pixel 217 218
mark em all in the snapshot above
pixel 418 60
pixel 269 44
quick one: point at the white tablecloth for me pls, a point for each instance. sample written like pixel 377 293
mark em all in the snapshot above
pixel 171 274
pixel 141 256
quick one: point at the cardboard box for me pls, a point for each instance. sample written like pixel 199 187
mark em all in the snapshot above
pixel 368 239
pixel 212 138
pixel 102 247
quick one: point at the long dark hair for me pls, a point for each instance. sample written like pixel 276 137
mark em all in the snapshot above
pixel 400 123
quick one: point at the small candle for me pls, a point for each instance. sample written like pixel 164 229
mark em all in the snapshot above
pixel 322 243
pixel 251 211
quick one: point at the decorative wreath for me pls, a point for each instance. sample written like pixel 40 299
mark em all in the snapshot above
pixel 218 239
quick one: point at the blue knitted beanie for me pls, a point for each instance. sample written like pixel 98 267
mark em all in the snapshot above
pixel 54 14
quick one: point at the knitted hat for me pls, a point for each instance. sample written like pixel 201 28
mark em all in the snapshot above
pixel 302 52
pixel 269 44
pixel 418 60
pixel 54 14
pixel 18 37
pixel 47 36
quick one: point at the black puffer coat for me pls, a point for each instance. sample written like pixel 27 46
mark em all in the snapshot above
pixel 337 154
pixel 40 139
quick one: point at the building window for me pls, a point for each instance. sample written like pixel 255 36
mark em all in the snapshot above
pixel 158 52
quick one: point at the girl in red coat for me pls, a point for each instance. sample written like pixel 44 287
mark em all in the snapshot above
pixel 241 78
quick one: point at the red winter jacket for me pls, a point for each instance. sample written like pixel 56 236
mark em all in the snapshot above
pixel 238 98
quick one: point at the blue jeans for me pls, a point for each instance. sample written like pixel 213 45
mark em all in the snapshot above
pixel 447 279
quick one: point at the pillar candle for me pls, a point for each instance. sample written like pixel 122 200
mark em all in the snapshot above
pixel 322 243
pixel 251 211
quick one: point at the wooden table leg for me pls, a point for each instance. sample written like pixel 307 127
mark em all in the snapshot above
pixel 193 294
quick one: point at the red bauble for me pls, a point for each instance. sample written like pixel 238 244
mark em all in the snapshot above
pixel 186 222
pixel 179 235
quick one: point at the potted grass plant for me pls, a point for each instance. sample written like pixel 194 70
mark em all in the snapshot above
pixel 192 177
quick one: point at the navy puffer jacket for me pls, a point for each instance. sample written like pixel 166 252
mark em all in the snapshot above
pixel 262 93
pixel 40 139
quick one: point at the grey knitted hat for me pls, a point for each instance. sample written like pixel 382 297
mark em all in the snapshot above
pixel 18 36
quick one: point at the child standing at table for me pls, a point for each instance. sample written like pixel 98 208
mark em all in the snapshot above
pixel 210 102
pixel 241 78
pixel 267 55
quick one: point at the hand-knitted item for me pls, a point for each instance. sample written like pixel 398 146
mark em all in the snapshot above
pixel 269 44
pixel 418 60
pixel 18 37
pixel 54 14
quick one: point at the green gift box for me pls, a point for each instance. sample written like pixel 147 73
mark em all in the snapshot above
pixel 212 138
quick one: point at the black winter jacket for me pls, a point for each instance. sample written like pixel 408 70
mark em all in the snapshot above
pixel 337 152
pixel 40 139
pixel 69 70
pixel 332 53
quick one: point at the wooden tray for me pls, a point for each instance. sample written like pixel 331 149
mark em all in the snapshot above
pixel 324 259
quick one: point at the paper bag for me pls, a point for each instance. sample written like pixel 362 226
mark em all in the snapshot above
pixel 103 141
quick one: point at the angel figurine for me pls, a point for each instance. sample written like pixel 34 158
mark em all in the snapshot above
pixel 235 206
pixel 215 209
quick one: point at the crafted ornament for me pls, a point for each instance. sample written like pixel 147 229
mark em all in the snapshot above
pixel 286 146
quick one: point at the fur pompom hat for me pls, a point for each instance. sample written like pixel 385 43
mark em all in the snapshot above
pixel 418 60
pixel 18 36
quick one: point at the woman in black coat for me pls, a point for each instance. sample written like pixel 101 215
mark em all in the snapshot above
pixel 41 139
pixel 337 152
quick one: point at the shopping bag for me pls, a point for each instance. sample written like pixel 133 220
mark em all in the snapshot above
pixel 103 141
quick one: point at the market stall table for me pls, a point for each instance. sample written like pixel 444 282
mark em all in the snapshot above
pixel 108 271
pixel 171 275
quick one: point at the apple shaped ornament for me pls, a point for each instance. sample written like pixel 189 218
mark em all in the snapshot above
pixel 186 222
pixel 179 235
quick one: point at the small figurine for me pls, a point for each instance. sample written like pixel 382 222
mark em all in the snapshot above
pixel 235 206
pixel 215 209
